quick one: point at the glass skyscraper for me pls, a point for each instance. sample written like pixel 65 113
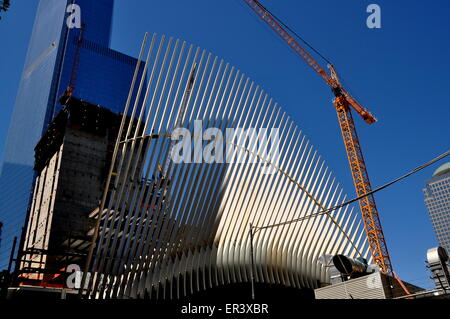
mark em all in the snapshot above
pixel 437 201
pixel 56 58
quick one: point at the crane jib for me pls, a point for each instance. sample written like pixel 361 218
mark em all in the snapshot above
pixel 289 39
pixel 274 25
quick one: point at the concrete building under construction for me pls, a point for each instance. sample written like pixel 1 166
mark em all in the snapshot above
pixel 71 163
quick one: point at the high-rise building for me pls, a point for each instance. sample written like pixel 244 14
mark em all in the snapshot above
pixel 59 54
pixel 1 226
pixel 437 201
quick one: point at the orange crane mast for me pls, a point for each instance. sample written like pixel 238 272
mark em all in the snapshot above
pixel 342 102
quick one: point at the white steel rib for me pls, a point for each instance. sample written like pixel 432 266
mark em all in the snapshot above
pixel 169 229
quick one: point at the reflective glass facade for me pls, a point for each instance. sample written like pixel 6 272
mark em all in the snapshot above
pixel 103 77
pixel 437 201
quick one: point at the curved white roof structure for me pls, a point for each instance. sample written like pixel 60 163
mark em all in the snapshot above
pixel 169 229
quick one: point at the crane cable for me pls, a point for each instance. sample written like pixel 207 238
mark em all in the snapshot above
pixel 327 211
pixel 296 34
pixel 417 169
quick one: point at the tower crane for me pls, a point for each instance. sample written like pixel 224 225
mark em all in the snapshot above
pixel 343 102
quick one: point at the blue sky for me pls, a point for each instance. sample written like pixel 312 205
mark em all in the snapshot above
pixel 400 72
